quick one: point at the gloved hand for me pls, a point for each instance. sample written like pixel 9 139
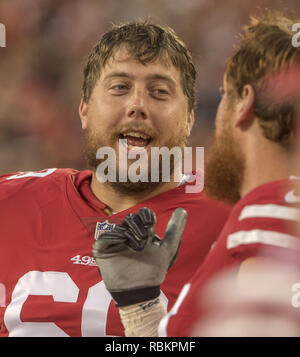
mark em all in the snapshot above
pixel 133 261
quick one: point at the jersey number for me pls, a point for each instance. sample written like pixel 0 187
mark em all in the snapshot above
pixel 62 288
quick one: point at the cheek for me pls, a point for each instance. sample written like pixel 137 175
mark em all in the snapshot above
pixel 174 118
pixel 168 127
pixel 105 115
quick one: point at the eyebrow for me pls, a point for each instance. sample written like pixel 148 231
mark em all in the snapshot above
pixel 117 74
pixel 155 76
pixel 162 77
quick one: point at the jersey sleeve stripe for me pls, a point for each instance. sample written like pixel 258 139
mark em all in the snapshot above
pixel 264 237
pixel 270 211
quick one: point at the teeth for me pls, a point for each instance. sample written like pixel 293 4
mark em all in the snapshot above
pixel 135 148
pixel 137 135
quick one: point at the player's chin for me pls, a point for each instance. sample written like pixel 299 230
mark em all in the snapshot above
pixel 139 187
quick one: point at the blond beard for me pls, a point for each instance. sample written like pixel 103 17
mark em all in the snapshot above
pixel 224 170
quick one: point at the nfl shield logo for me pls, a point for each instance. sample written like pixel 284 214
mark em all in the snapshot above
pixel 103 227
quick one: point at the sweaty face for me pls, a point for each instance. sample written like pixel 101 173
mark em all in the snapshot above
pixel 225 166
pixel 143 104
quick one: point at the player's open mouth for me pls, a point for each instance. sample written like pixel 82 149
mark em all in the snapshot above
pixel 136 140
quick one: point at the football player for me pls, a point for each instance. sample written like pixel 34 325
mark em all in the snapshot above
pixel 250 165
pixel 138 87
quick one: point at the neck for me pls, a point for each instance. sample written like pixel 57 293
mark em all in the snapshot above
pixel 118 202
pixel 267 162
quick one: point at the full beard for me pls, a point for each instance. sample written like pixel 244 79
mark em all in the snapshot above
pixel 95 141
pixel 225 168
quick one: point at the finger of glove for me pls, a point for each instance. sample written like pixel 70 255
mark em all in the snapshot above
pixel 116 233
pixel 108 246
pixel 136 226
pixel 174 257
pixel 133 243
pixel 109 239
pixel 147 217
pixel 174 231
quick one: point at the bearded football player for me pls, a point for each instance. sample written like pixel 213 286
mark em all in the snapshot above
pixel 138 87
pixel 251 166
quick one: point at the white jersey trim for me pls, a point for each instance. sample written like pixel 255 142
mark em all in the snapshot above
pixel 262 236
pixel 270 211
pixel 184 178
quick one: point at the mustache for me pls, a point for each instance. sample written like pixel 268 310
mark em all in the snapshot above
pixel 138 126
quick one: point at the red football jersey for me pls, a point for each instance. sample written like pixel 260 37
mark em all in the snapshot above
pixel 263 223
pixel 49 282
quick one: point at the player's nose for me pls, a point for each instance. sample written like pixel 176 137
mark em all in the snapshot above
pixel 137 107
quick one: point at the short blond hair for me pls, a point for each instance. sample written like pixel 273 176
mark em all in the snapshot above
pixel 265 47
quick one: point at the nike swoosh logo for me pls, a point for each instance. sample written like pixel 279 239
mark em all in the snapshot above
pixel 290 197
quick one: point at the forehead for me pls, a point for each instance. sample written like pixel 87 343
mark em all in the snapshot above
pixel 122 59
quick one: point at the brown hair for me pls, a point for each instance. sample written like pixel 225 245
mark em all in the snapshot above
pixel 145 42
pixel 265 48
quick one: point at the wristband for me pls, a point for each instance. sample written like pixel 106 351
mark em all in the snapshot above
pixel 130 297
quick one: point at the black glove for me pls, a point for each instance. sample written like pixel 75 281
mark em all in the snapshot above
pixel 133 261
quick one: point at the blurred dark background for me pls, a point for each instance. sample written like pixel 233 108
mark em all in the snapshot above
pixel 47 42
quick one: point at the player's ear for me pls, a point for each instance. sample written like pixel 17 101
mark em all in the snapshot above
pixel 83 111
pixel 190 122
pixel 244 110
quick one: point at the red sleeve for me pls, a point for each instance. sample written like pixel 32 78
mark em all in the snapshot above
pixel 265 229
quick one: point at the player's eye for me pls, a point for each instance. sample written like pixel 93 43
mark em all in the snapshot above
pixel 160 93
pixel 118 89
